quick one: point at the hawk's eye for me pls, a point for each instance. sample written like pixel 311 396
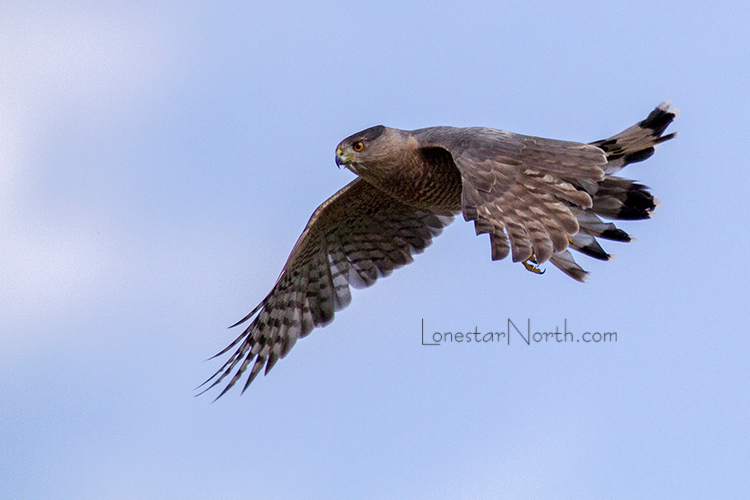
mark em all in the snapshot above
pixel 359 146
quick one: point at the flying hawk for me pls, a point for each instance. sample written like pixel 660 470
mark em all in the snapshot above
pixel 536 198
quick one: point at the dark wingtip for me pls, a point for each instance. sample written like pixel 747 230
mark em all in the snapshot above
pixel 226 389
pixel 641 155
pixel 241 321
pixel 579 275
pixel 639 204
pixel 615 235
pixel 597 253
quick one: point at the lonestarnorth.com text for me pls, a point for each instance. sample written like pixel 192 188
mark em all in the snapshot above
pixel 523 335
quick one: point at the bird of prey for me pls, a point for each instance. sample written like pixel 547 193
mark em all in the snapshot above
pixel 536 198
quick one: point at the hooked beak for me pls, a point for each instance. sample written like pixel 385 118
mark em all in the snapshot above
pixel 341 159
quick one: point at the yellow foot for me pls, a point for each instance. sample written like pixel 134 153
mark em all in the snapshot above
pixel 532 265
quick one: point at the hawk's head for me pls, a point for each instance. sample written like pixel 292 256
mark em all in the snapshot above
pixel 367 148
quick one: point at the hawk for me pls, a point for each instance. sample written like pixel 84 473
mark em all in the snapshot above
pixel 536 198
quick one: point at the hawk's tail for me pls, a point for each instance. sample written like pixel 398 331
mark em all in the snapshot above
pixel 615 197
pixel 638 142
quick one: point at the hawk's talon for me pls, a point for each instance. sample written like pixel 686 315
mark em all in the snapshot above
pixel 532 265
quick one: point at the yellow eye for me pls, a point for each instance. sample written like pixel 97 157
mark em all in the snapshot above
pixel 358 146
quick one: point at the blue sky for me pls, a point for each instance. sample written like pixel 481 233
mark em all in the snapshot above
pixel 158 162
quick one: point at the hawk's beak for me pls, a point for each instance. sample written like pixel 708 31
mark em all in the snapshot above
pixel 341 159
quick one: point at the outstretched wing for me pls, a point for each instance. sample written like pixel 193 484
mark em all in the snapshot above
pixel 517 188
pixel 537 197
pixel 356 236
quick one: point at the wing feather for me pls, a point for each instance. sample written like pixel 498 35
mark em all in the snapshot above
pixel 355 237
pixel 536 197
pixel 520 188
